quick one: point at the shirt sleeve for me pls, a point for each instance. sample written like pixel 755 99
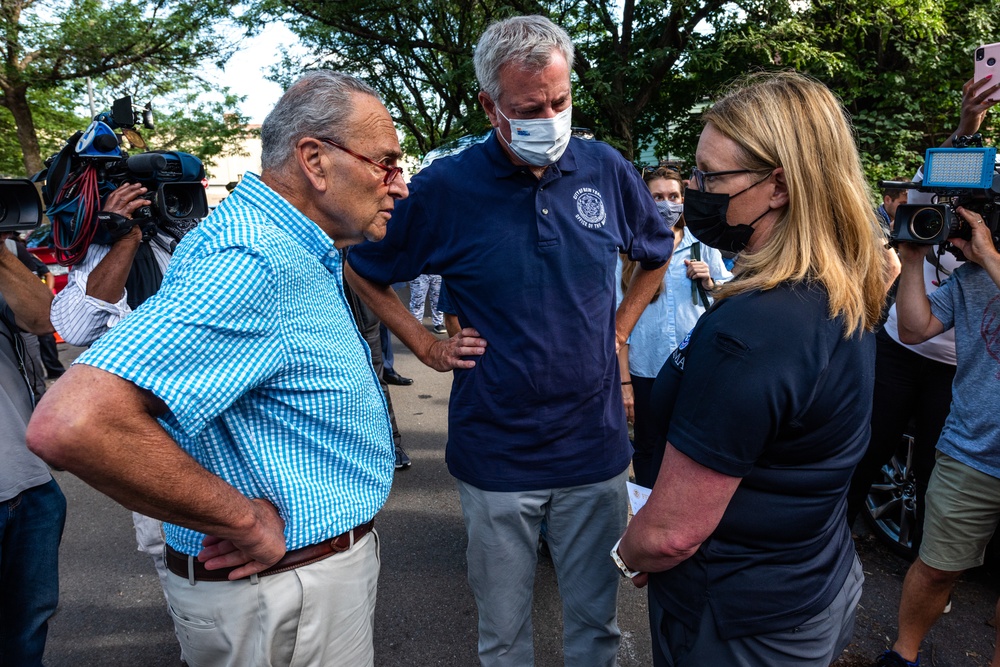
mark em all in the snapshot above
pixel 200 343
pixel 652 239
pixel 82 319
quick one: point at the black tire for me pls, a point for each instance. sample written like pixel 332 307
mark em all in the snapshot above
pixel 892 503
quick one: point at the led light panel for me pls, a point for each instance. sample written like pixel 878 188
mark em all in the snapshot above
pixel 959 167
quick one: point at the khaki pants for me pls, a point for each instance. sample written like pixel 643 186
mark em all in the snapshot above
pixel 319 614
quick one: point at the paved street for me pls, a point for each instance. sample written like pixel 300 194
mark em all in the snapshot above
pixel 112 611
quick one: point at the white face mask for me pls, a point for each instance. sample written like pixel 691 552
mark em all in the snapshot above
pixel 539 141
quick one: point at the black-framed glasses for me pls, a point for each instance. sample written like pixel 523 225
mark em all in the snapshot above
pixel 699 176
pixel 391 173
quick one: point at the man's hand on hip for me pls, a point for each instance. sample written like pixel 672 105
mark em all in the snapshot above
pixel 259 549
pixel 445 355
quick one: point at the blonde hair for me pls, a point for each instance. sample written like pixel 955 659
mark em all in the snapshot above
pixel 828 233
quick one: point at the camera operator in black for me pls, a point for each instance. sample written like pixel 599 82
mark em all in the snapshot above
pixel 34 509
pixel 113 280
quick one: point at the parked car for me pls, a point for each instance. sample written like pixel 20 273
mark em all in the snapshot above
pixel 891 506
pixel 893 502
pixel 47 256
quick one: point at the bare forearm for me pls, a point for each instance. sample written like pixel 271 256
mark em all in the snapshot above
pixel 684 509
pixel 913 308
pixel 107 281
pixel 640 293
pixel 992 265
pixel 114 444
pixel 386 305
pixel 26 295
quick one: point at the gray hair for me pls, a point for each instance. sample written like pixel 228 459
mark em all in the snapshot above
pixel 317 105
pixel 524 41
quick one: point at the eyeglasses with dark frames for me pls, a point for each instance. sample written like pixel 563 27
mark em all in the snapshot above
pixel 699 176
pixel 391 173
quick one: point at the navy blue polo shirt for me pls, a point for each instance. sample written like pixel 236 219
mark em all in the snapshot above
pixel 767 388
pixel 531 265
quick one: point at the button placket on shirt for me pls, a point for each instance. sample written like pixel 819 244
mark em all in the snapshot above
pixel 546 223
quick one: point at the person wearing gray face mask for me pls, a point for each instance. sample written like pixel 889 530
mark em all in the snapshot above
pixel 685 293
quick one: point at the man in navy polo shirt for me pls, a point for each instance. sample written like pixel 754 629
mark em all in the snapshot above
pixel 525 229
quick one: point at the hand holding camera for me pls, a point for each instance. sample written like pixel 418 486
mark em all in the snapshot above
pixel 116 216
pixel 979 247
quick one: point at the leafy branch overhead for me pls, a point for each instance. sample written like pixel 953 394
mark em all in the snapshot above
pixel 646 68
pixel 52 44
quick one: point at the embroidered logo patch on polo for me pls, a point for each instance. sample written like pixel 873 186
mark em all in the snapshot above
pixel 590 208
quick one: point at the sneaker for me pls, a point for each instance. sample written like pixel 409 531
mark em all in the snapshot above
pixel 440 328
pixel 892 659
pixel 402 460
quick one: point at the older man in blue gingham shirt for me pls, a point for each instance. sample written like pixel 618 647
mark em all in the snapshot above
pixel 239 404
pixel 252 370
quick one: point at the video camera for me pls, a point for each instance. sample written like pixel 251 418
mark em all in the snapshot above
pixel 963 176
pixel 92 164
pixel 20 207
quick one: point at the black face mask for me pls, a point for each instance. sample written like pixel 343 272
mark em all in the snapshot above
pixel 705 216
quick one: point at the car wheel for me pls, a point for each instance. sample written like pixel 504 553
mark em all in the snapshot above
pixel 891 505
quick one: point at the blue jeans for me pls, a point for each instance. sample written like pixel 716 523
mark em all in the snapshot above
pixel 583 523
pixel 422 287
pixel 31 526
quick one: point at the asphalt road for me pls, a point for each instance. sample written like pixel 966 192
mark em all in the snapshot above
pixel 112 612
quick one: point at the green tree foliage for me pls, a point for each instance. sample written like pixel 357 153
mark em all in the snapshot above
pixel 190 115
pixel 56 118
pixel 418 55
pixel 645 69
pixel 898 66
pixel 55 43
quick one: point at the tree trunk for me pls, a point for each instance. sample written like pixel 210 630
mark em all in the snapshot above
pixel 16 101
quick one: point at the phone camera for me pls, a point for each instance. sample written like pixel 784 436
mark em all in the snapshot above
pixel 980 54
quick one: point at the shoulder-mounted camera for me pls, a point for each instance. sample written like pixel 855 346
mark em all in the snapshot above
pixel 92 164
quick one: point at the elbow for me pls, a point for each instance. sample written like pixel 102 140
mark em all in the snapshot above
pixel 55 433
pixel 679 547
pixel 907 337
pixel 40 328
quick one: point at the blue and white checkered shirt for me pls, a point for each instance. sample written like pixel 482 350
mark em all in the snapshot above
pixel 252 346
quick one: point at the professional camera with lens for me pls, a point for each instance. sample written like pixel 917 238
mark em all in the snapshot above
pixel 964 176
pixel 93 164
pixel 20 208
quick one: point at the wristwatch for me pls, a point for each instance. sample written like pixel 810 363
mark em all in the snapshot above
pixel 622 567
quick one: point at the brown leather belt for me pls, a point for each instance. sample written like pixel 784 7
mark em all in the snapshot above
pixel 194 570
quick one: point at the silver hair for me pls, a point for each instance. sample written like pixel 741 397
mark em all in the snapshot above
pixel 317 105
pixel 524 41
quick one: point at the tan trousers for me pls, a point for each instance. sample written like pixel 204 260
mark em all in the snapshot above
pixel 318 615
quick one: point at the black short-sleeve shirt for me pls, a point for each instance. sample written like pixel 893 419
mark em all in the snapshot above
pixel 767 388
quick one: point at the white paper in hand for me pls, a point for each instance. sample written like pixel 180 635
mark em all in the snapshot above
pixel 637 496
